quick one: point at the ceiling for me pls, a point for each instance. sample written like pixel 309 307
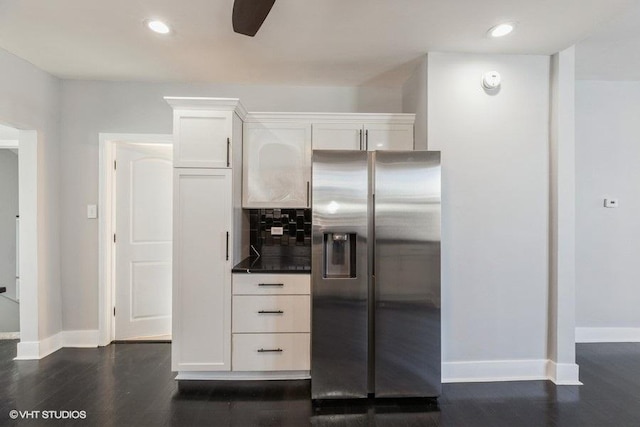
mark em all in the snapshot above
pixel 306 42
pixel 612 52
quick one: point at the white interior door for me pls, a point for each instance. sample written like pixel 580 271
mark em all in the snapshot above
pixel 144 195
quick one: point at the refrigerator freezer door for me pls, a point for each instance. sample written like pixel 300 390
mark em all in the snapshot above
pixel 339 308
pixel 407 274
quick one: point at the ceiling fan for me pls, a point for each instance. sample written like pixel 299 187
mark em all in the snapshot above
pixel 248 15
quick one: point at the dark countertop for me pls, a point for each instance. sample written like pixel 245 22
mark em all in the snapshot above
pixel 290 265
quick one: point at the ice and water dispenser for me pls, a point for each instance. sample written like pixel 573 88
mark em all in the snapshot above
pixel 339 255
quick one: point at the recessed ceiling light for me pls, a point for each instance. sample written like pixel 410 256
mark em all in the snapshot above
pixel 501 30
pixel 158 26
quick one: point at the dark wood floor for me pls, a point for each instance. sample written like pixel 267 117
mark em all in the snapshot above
pixel 131 385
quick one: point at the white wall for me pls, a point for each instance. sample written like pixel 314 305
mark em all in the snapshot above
pixel 414 100
pixel 495 230
pixel 9 315
pixel 92 107
pixel 607 240
pixel 29 99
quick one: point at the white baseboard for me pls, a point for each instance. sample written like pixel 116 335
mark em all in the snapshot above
pixel 509 370
pixel 593 335
pixel 33 350
pixel 563 373
pixel 495 370
pixel 9 335
pixel 80 339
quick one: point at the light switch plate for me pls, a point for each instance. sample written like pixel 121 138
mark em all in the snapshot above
pixel 92 211
pixel 610 203
pixel 277 231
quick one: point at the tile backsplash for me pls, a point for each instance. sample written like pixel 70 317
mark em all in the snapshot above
pixel 296 227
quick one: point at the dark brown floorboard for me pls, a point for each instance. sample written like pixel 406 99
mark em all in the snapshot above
pixel 132 385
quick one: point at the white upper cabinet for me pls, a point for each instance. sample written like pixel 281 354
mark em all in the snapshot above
pixel 365 132
pixel 384 136
pixel 337 136
pixel 277 165
pixel 203 131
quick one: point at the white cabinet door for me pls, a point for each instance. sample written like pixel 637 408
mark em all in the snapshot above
pixel 337 136
pixel 202 139
pixel 202 270
pixel 388 137
pixel 277 165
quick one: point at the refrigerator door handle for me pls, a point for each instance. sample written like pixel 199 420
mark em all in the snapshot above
pixel 360 138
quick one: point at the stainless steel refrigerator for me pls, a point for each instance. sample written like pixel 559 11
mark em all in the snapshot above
pixel 376 274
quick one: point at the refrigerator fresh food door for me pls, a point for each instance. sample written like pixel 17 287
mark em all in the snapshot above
pixel 340 275
pixel 407 274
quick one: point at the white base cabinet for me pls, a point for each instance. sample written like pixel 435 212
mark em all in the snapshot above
pixel 271 322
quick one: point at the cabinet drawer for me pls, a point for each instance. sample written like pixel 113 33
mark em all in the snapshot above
pixel 271 352
pixel 266 313
pixel 271 284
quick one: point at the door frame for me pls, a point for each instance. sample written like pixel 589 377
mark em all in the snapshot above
pixel 32 346
pixel 13 144
pixel 106 216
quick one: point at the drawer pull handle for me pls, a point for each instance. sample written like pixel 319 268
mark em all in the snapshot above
pixel 270 284
pixel 271 312
pixel 270 350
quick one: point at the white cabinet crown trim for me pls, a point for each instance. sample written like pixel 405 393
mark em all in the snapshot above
pixel 212 104
pixel 400 118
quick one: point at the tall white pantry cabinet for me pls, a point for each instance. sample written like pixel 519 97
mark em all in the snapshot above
pixel 207 218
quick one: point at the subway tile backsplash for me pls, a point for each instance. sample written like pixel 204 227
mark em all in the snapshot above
pixel 296 227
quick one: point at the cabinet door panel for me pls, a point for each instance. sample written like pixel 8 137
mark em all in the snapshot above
pixel 200 139
pixel 277 165
pixel 389 137
pixel 337 136
pixel 201 266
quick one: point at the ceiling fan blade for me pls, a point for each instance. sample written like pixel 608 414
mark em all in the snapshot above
pixel 248 15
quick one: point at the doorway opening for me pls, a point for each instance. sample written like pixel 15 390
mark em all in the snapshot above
pixel 135 226
pixel 9 232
